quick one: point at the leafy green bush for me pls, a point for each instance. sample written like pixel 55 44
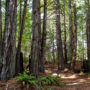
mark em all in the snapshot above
pixel 41 81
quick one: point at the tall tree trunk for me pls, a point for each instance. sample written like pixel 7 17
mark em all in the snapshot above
pixel 35 48
pixel 20 14
pixel 3 38
pixel 43 43
pixel 40 40
pixel 70 32
pixel 88 29
pixel 75 36
pixel 8 69
pixel 22 21
pixel 13 56
pixel 58 37
pixel 0 36
pixel 83 44
pixel 65 40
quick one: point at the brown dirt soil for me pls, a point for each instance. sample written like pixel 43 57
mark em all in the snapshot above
pixel 73 81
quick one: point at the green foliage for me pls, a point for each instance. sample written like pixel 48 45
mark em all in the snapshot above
pixel 27 79
pixel 88 75
pixel 41 81
pixel 51 80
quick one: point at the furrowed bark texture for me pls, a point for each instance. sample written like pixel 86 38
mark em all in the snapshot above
pixel 9 48
pixel 35 48
pixel 22 21
pixel 58 37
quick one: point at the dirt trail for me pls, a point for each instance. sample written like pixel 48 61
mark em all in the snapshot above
pixel 79 81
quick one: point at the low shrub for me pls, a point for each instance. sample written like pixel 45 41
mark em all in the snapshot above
pixel 30 80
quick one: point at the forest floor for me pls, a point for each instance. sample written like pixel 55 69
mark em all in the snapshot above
pixel 79 81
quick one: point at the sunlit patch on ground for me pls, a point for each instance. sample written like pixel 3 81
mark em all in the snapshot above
pixel 81 80
pixel 54 74
pixel 73 84
pixel 69 77
pixel 48 71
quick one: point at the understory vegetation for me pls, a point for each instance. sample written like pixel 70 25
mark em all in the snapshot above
pixel 31 81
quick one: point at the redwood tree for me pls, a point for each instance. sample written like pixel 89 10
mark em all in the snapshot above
pixel 74 35
pixel 70 32
pixel 43 42
pixel 88 29
pixel 0 37
pixel 22 21
pixel 65 36
pixel 35 48
pixel 8 69
pixel 58 37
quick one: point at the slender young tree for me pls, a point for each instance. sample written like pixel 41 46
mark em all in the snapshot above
pixel 40 40
pixel 88 29
pixel 43 43
pixel 65 36
pixel 35 48
pixel 22 21
pixel 8 69
pixel 70 32
pixel 58 37
pixel 20 14
pixel 74 35
pixel 0 37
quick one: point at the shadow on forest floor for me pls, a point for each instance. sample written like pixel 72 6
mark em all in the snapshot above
pixel 73 81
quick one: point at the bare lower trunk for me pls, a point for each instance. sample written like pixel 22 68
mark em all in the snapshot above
pixel 58 38
pixel 88 29
pixel 65 40
pixel 35 48
pixel 70 32
pixel 43 43
pixel 8 69
pixel 0 38
pixel 75 36
pixel 22 21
